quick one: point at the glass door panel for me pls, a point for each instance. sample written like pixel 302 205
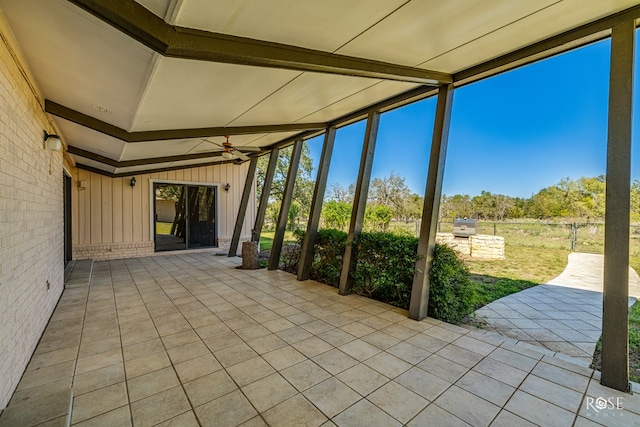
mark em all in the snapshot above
pixel 170 217
pixel 202 214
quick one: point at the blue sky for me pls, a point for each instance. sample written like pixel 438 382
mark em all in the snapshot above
pixel 513 134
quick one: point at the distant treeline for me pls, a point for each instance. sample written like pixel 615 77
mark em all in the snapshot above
pixel 582 199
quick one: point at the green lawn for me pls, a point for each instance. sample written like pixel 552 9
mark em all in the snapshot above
pixel 266 239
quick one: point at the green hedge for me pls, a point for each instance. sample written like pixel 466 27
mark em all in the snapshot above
pixel 384 270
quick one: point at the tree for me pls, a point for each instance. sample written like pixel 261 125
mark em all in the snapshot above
pixel 377 218
pixel 336 214
pixel 303 187
pixel 390 191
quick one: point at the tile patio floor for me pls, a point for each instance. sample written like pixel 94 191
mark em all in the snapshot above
pixel 189 340
pixel 564 315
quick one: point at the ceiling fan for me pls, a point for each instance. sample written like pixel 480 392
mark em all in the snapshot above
pixel 229 150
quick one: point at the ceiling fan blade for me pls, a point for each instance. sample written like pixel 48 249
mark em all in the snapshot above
pixel 248 148
pixel 240 155
pixel 212 142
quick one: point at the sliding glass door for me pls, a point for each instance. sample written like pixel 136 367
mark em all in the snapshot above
pixel 185 216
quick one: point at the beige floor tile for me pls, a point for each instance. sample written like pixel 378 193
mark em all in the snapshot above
pixel 552 392
pixel 296 411
pixel 236 354
pixel 159 407
pixel 387 364
pixel 293 335
pixel 357 329
pixel 118 417
pixel 250 370
pixel 423 383
pixel 267 343
pixel 474 410
pixel 268 392
pixel 152 383
pixel 98 402
pixel 397 401
pixel 460 355
pixel 145 364
pixel 100 360
pixel 144 348
pixel 561 376
pixel 96 347
pixel 97 379
pixel 212 330
pixel 31 413
pixel 362 379
pixel 209 387
pixel 380 340
pixel 181 338
pixel 365 414
pixel 284 357
pixel 222 341
pixel 399 331
pixel 442 368
pixel 305 374
pixel 42 360
pixel 507 419
pixel 501 372
pixel 36 393
pixel 435 416
pixel 138 335
pixel 538 411
pixel 229 410
pixel 187 419
pixel 359 350
pixel 335 361
pixel 187 351
pixel 196 368
pixel 409 352
pixel 336 337
pixel 442 334
pixel 252 332
pixel 487 388
pixel 301 318
pixel 426 342
pixel 277 325
pixel 49 374
pixel 332 396
pixel 312 347
pixel 317 327
pixel 515 360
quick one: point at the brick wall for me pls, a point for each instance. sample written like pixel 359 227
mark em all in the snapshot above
pixel 31 222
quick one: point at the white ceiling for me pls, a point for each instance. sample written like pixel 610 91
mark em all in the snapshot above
pixel 84 64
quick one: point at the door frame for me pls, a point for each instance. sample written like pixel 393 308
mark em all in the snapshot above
pixel 67 221
pixel 152 204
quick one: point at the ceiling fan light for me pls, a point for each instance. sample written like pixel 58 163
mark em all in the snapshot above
pixel 227 155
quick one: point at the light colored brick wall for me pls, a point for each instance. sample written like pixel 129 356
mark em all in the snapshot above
pixel 31 221
pixel 477 246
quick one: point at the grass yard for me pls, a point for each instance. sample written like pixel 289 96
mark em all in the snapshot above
pixel 266 239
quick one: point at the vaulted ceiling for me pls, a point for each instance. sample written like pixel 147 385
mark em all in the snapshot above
pixel 156 84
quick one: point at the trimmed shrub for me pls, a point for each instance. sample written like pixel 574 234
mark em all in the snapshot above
pixel 385 264
pixel 450 294
pixel 384 267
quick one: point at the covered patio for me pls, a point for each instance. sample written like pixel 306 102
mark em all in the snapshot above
pixel 192 340
pixel 129 100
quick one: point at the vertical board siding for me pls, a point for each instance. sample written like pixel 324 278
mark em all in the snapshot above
pixel 116 193
pixel 108 210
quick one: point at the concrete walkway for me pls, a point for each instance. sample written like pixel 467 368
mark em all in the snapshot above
pixel 563 316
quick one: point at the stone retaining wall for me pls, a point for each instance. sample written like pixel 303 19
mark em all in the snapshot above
pixel 478 246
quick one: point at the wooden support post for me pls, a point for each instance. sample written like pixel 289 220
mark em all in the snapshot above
pixel 306 253
pixel 264 196
pixel 248 183
pixel 287 197
pixel 419 302
pixel 615 318
pixel 359 201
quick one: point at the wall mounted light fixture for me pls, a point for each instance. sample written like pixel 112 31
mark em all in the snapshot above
pixel 227 187
pixel 52 141
pixel 132 183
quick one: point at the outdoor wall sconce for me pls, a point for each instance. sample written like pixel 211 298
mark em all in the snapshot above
pixel 227 187
pixel 52 141
pixel 132 183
